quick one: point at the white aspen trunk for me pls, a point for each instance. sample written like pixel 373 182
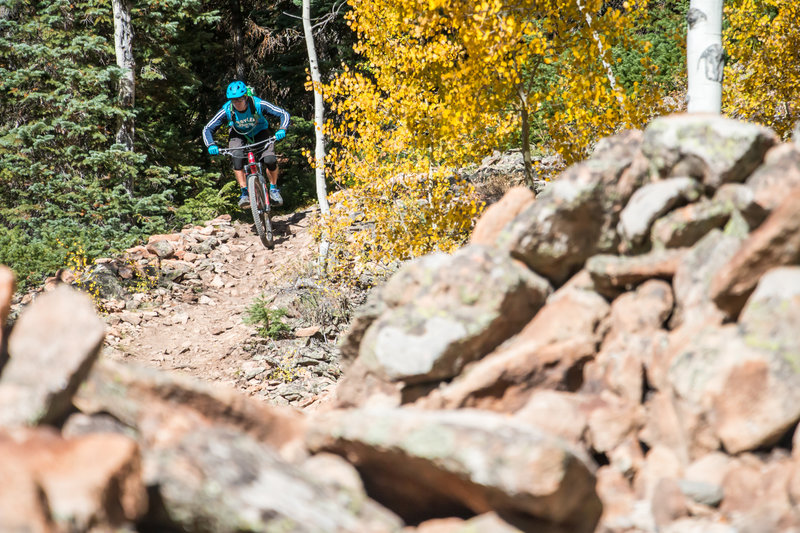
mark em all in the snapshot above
pixel 612 80
pixel 705 57
pixel 319 121
pixel 123 47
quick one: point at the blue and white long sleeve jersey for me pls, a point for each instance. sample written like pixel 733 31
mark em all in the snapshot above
pixel 246 122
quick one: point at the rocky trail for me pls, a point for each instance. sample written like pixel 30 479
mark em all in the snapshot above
pixel 193 323
pixel 202 332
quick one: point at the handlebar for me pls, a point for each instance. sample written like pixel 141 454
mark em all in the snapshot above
pixel 245 148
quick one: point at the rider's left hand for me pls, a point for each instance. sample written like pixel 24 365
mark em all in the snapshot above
pixel 280 134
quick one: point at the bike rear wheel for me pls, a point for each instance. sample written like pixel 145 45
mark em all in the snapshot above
pixel 259 206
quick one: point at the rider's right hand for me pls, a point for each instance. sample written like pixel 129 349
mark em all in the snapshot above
pixel 213 149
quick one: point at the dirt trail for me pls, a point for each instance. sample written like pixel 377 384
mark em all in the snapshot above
pixel 201 332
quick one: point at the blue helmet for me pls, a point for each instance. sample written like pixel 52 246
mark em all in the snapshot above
pixel 236 89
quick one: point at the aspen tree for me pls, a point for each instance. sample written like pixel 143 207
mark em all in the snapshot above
pixel 319 120
pixel 705 57
pixel 123 48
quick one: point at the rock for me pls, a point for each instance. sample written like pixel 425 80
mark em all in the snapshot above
pixel 92 482
pixel 59 332
pixel 421 464
pixel 634 342
pixel 223 481
pixel 687 225
pixel 619 501
pixel 757 495
pixel 613 274
pixel 362 319
pixel 749 392
pixel 713 148
pixel 563 414
pixel 694 276
pixel 498 215
pixel 7 288
pixel 650 202
pixel 772 313
pixel 698 525
pixel 741 198
pixel 776 178
pixel 448 311
pixel 488 522
pixel 100 281
pixel 575 216
pixel 162 248
pixel 668 503
pixel 775 243
pixel 146 398
pixel 705 493
pixel 309 331
pixel 548 353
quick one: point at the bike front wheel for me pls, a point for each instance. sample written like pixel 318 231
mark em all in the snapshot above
pixel 259 206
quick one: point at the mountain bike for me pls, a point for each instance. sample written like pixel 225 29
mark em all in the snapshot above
pixel 257 189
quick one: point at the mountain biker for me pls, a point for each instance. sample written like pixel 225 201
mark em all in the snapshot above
pixel 246 116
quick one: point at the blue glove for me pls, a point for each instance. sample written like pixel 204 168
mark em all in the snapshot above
pixel 213 149
pixel 280 134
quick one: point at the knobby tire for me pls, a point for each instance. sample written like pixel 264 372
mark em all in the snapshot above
pixel 261 213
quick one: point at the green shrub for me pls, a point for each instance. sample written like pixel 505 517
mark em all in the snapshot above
pixel 267 319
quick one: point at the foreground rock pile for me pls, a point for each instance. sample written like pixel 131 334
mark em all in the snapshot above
pixel 619 354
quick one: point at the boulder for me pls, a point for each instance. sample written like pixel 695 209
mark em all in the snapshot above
pixel 576 215
pixel 498 215
pixel 52 348
pixel 92 482
pixel 548 353
pixel 650 202
pixel 748 390
pixel 776 178
pixel 712 148
pixel 695 274
pixel 215 479
pixel 446 311
pixel 775 243
pixel 160 406
pixel 423 464
pixel 613 274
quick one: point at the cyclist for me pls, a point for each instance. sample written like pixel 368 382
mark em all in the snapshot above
pixel 245 114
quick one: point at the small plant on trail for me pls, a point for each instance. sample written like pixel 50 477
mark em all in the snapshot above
pixel 287 370
pixel 79 264
pixel 267 319
pixel 144 279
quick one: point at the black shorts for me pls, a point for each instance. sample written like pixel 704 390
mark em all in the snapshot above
pixel 266 155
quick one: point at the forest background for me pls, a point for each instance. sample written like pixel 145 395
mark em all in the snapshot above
pixel 417 88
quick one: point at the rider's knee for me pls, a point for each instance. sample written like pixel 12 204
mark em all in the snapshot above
pixel 271 162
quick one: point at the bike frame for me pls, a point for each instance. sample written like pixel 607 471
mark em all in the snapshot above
pixel 254 167
pixel 259 198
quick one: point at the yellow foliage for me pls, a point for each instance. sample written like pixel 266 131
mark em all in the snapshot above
pixel 81 267
pixel 762 77
pixel 443 83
